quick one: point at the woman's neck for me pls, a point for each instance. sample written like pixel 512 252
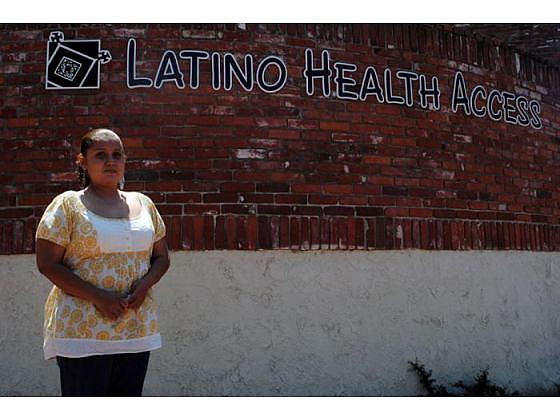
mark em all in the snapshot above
pixel 104 192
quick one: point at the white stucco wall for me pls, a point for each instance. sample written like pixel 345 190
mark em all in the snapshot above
pixel 320 323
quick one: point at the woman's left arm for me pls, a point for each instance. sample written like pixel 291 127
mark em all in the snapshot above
pixel 159 265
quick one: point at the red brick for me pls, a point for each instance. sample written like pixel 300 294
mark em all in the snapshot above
pixel 513 236
pixel 533 233
pixel 183 198
pixel 173 232
pixel 290 199
pixel 94 120
pixel 273 187
pixel 468 236
pixel 220 233
pixel 264 232
pixel 360 233
pixel 353 201
pixel 198 228
pixel 338 189
pixel 381 201
pixel 35 199
pixel 271 122
pixel 495 235
pixel 380 233
pixel 377 160
pixel 165 186
pixel 314 228
pixel 209 230
pixel 259 198
pixel 370 233
pixel 321 199
pixel 488 238
pixel 460 234
pixel 475 236
pixel 338 211
pixel 305 234
pixel 342 232
pixel 398 234
pixel 447 235
pixel 22 122
pixel 295 233
pixel 220 198
pixel 272 233
pixel 334 235
pixel 302 124
pixel 346 137
pixel 17 236
pixel 16 212
pixel 432 234
pixel 390 233
pixel 251 176
pixel 284 232
pixel 387 109
pixel 484 232
pixel 445 214
pixel 187 232
pixel 420 212
pixel 523 238
pixel 395 211
pixel 231 227
pixel 529 237
pixel 334 125
pixel 452 235
pixel 201 209
pixel 415 234
pixel 324 228
pixel 284 177
pixel 526 237
pixel 237 208
pixel 284 134
pixel 250 230
pixel 28 236
pixel 241 239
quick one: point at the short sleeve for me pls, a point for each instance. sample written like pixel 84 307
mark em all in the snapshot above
pixel 157 220
pixel 55 224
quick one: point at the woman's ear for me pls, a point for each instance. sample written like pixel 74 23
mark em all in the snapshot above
pixel 80 160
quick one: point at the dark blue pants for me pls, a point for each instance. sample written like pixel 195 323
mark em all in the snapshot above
pixel 110 375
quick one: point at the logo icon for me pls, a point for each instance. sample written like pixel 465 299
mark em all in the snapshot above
pixel 74 64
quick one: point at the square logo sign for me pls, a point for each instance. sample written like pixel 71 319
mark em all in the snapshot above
pixel 74 64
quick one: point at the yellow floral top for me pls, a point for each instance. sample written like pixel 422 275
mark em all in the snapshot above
pixel 110 253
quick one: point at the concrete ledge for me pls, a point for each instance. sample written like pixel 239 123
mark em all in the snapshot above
pixel 320 323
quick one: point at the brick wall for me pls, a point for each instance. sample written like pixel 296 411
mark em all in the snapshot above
pixel 252 170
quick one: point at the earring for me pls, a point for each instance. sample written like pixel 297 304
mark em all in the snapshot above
pixel 83 176
pixel 121 183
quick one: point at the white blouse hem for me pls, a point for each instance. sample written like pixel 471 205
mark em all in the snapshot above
pixel 73 347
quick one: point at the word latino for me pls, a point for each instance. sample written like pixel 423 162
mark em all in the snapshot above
pixel 224 69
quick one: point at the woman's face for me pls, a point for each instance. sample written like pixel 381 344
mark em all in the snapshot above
pixel 104 162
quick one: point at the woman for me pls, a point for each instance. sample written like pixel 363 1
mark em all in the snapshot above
pixel 103 249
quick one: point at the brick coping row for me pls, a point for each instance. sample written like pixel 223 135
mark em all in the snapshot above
pixel 234 232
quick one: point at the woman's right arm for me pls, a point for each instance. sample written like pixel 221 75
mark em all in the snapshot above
pixel 49 262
